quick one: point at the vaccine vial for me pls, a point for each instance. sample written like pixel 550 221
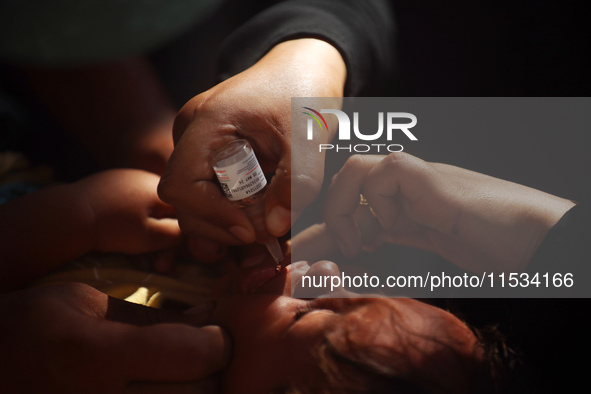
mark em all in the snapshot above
pixel 243 182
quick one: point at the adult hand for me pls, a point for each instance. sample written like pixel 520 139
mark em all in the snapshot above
pixel 473 220
pixel 75 339
pixel 127 215
pixel 254 105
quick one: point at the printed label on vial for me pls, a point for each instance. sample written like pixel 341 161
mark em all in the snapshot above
pixel 242 179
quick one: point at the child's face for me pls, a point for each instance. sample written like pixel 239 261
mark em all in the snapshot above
pixel 275 335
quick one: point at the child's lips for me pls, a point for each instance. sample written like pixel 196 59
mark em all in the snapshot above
pixel 252 278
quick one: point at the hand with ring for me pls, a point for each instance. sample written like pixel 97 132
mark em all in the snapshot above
pixel 473 220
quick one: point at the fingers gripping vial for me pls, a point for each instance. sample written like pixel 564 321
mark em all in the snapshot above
pixel 243 182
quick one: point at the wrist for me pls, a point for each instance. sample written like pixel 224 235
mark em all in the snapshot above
pixel 533 221
pixel 308 67
pixel 318 66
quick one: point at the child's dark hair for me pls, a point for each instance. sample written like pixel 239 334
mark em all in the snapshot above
pixel 500 361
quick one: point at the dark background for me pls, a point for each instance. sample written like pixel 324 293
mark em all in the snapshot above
pixel 511 48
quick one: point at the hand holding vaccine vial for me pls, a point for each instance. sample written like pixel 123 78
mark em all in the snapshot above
pixel 243 182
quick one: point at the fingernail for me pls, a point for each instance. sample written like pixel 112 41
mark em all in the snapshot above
pixel 206 307
pixel 300 265
pixel 242 234
pixel 279 220
pixel 252 261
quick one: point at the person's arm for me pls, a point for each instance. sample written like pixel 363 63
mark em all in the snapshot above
pixel 293 49
pixel 42 230
pixel 362 31
pixel 72 338
pixel 113 211
pixel 475 221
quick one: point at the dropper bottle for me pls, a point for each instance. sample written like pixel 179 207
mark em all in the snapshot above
pixel 243 182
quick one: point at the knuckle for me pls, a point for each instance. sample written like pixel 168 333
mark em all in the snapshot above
pixel 397 160
pixel 354 162
pixel 325 267
pixel 187 114
pixel 407 165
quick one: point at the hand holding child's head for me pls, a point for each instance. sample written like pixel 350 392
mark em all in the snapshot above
pixel 127 214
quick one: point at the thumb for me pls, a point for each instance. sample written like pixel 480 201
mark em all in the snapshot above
pixel 156 345
pixel 168 352
pixel 315 243
pixel 295 185
pixel 278 210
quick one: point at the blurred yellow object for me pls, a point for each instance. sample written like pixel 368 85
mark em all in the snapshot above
pixel 116 276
